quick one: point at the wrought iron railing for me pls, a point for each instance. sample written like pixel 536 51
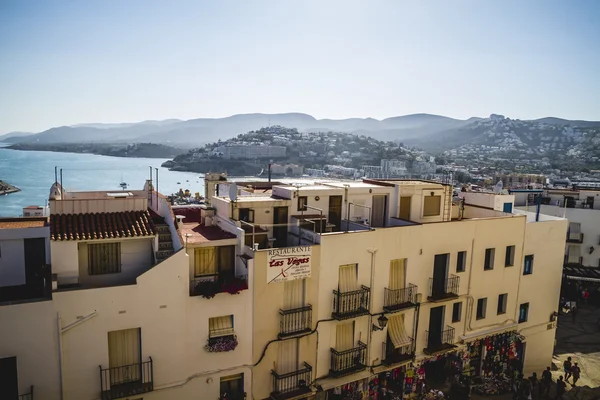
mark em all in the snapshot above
pixel 351 304
pixel 126 380
pixel 393 355
pixel 441 288
pixel 295 321
pixel 295 382
pixel 208 286
pixel 348 361
pixel 397 299
pixel 573 261
pixel 444 340
pixel 574 237
pixel 27 396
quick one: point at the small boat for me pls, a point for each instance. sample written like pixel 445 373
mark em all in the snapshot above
pixel 179 183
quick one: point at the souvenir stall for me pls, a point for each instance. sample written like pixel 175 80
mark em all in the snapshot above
pixel 357 390
pixel 491 363
pixel 390 385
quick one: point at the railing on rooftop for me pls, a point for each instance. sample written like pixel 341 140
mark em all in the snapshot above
pixel 208 286
pixel 127 380
pixel 351 304
pixel 348 361
pixel 295 321
pixel 291 384
pixel 398 299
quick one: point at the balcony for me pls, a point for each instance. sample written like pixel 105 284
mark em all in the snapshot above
pixel 128 380
pixel 574 237
pixel 295 321
pixel 350 304
pixel 291 385
pixel 397 355
pixel 208 286
pixel 27 396
pixel 439 342
pixel 399 299
pixel 348 361
pixel 443 289
pixel 573 261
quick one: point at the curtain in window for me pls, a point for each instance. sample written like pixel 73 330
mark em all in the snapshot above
pixel 397 268
pixel 220 326
pixel 205 261
pixel 287 358
pixel 431 205
pixel 344 336
pixel 124 355
pixel 348 279
pixel 396 331
pixel 104 258
pixel 293 294
pixel 574 254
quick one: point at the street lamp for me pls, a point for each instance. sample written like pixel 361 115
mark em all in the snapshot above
pixel 382 321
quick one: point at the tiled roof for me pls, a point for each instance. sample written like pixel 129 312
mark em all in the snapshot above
pixel 101 225
pixel 17 223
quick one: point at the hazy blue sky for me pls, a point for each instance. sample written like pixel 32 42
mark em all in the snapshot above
pixel 67 62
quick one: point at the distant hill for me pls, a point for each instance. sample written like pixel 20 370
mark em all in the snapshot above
pixel 14 135
pixel 431 132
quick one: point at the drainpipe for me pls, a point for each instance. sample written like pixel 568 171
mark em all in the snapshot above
pixel 60 356
pixel 469 299
pixel 369 336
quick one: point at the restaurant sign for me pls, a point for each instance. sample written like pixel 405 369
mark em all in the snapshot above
pixel 287 264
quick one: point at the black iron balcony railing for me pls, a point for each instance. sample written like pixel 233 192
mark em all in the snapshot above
pixel 127 380
pixel 208 286
pixel 398 299
pixel 574 237
pixel 573 262
pixel 351 304
pixel 295 321
pixel 292 384
pixel 443 288
pixel 394 355
pixel 439 341
pixel 348 361
pixel 27 396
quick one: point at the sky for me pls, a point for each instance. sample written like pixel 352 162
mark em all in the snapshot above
pixel 68 62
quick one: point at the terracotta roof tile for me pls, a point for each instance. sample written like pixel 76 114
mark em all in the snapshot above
pixel 21 223
pixel 101 225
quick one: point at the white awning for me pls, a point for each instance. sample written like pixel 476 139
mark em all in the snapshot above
pixel 330 383
pixel 489 332
pixel 397 332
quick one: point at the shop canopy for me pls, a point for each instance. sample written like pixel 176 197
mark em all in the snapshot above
pixel 489 332
pixel 581 273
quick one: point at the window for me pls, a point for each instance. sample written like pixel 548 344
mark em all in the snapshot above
pixel 431 206
pixel 104 258
pixel 232 386
pixel 502 299
pixel 574 232
pixel 348 278
pixel 344 336
pixel 220 326
pixel 574 254
pixel 456 311
pixel 125 350
pixel 481 308
pixel 302 203
pixel 461 260
pixel 528 265
pixel 489 259
pixel 523 312
pixel 246 215
pixel 509 260
pixel 210 261
pixel 397 273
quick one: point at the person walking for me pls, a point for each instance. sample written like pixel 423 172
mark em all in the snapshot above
pixel 561 388
pixel 535 386
pixel 586 295
pixel 546 382
pixel 576 371
pixel 567 368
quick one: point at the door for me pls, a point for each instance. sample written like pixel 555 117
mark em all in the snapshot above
pixel 507 207
pixel 436 321
pixel 124 356
pixel 232 387
pixel 440 267
pixel 35 261
pixel 9 383
pixel 280 230
pixel 378 211
pixel 335 212
pixel 404 208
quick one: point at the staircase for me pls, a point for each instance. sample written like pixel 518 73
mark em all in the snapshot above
pixel 165 241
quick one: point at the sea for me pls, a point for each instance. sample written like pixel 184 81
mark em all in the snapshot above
pixel 33 173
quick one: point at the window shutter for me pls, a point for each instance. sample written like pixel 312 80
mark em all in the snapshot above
pixel 397 270
pixel 348 280
pixel 344 336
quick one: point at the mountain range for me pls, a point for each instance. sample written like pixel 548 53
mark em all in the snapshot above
pixel 430 132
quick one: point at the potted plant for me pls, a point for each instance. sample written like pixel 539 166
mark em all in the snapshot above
pixel 221 344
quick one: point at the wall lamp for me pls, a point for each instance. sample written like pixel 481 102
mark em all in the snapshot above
pixel 382 321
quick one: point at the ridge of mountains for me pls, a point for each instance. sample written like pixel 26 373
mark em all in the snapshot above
pixel 427 131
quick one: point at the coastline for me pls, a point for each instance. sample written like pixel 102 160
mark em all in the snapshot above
pixel 140 151
pixel 7 188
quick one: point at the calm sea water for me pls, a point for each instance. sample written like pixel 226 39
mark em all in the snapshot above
pixel 33 173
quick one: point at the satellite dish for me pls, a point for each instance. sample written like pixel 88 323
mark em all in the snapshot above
pixel 498 187
pixel 233 191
